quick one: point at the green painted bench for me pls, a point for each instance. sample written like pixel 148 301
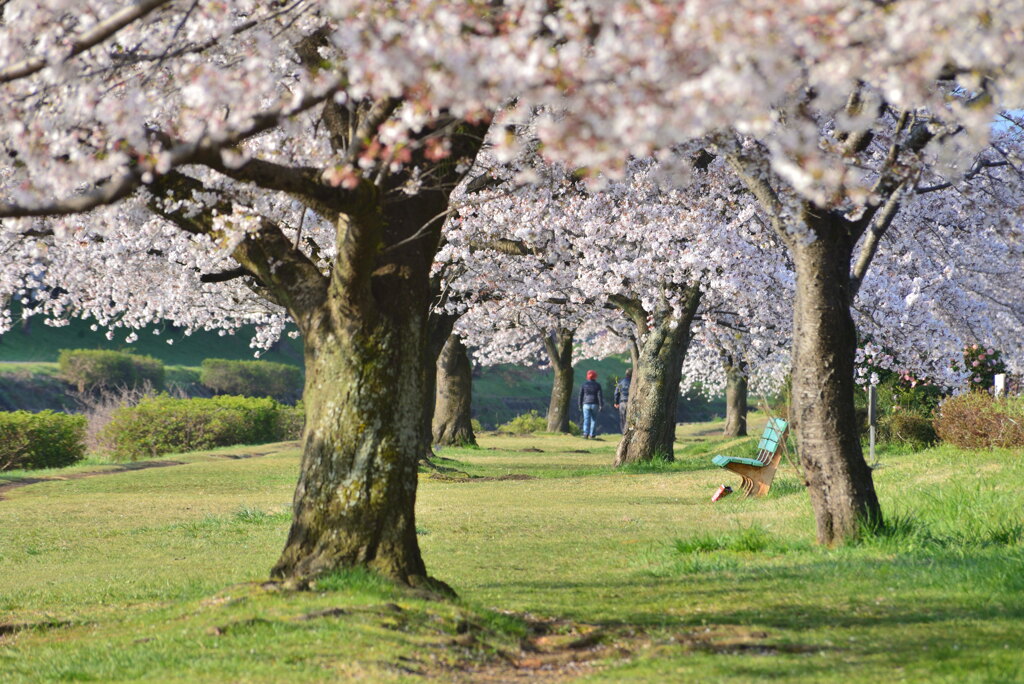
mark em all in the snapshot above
pixel 757 473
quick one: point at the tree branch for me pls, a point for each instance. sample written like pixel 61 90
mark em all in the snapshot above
pixel 225 276
pixel 632 308
pixel 976 168
pixel 552 350
pixel 754 176
pixel 85 40
pixel 883 219
pixel 181 154
pixel 290 279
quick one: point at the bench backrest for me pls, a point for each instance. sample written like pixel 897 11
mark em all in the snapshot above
pixel 773 436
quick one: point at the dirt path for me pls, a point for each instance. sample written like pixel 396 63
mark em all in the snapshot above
pixel 257 451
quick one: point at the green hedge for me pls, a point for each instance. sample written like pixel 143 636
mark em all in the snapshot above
pixel 40 440
pixel 253 378
pixel 162 424
pixel 525 423
pixel 93 369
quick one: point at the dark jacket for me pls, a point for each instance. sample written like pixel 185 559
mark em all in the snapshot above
pixel 622 391
pixel 590 393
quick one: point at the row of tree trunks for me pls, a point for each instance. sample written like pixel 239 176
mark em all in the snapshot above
pixel 559 348
pixel 654 389
pixel 452 423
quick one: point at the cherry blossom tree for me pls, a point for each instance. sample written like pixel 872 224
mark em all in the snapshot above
pixel 227 145
pixel 650 253
pixel 828 110
pixel 219 118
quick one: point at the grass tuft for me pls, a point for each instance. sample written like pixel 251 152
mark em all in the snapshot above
pixel 753 539
pixel 358 581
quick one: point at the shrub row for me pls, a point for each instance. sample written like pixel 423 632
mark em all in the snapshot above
pixel 163 424
pixel 97 369
pixel 976 420
pixel 92 370
pixel 40 440
pixel 527 423
pixel 253 378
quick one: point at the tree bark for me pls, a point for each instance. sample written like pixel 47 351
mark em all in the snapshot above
pixel 559 348
pixel 654 389
pixel 824 346
pixel 355 500
pixel 452 424
pixel 368 386
pixel 735 399
pixel 439 329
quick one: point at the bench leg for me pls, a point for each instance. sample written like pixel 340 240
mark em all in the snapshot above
pixel 756 481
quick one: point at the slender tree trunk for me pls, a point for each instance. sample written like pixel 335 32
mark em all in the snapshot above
pixel 559 348
pixel 735 399
pixel 824 346
pixel 452 424
pixel 439 330
pixel 654 389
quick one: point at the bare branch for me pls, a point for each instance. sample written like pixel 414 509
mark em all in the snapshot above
pixel 976 168
pixel 225 276
pixel 753 175
pixel 883 219
pixel 632 308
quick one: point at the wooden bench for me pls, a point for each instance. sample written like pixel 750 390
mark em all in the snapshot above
pixel 757 473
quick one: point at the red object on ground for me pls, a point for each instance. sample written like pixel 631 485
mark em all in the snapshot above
pixel 722 492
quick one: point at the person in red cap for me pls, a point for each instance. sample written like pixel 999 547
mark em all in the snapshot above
pixel 591 401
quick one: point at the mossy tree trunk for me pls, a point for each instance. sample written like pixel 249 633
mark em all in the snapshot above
pixel 654 389
pixel 452 424
pixel 363 316
pixel 365 347
pixel 559 348
pixel 735 398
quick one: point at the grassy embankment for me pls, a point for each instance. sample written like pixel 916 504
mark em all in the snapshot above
pixel 157 574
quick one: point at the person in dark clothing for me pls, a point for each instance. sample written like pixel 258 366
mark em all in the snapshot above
pixel 622 398
pixel 591 401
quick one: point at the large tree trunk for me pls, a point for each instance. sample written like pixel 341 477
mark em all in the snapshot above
pixel 654 389
pixel 355 500
pixel 452 424
pixel 368 386
pixel 735 399
pixel 559 348
pixel 824 346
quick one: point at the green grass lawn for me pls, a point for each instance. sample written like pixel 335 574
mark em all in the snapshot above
pixel 602 575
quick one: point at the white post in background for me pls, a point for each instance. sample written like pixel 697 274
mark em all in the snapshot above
pixel 1000 384
pixel 871 422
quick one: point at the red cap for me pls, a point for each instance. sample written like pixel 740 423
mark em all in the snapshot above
pixel 591 375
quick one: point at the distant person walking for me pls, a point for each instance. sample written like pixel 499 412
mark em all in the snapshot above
pixel 622 398
pixel 591 401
